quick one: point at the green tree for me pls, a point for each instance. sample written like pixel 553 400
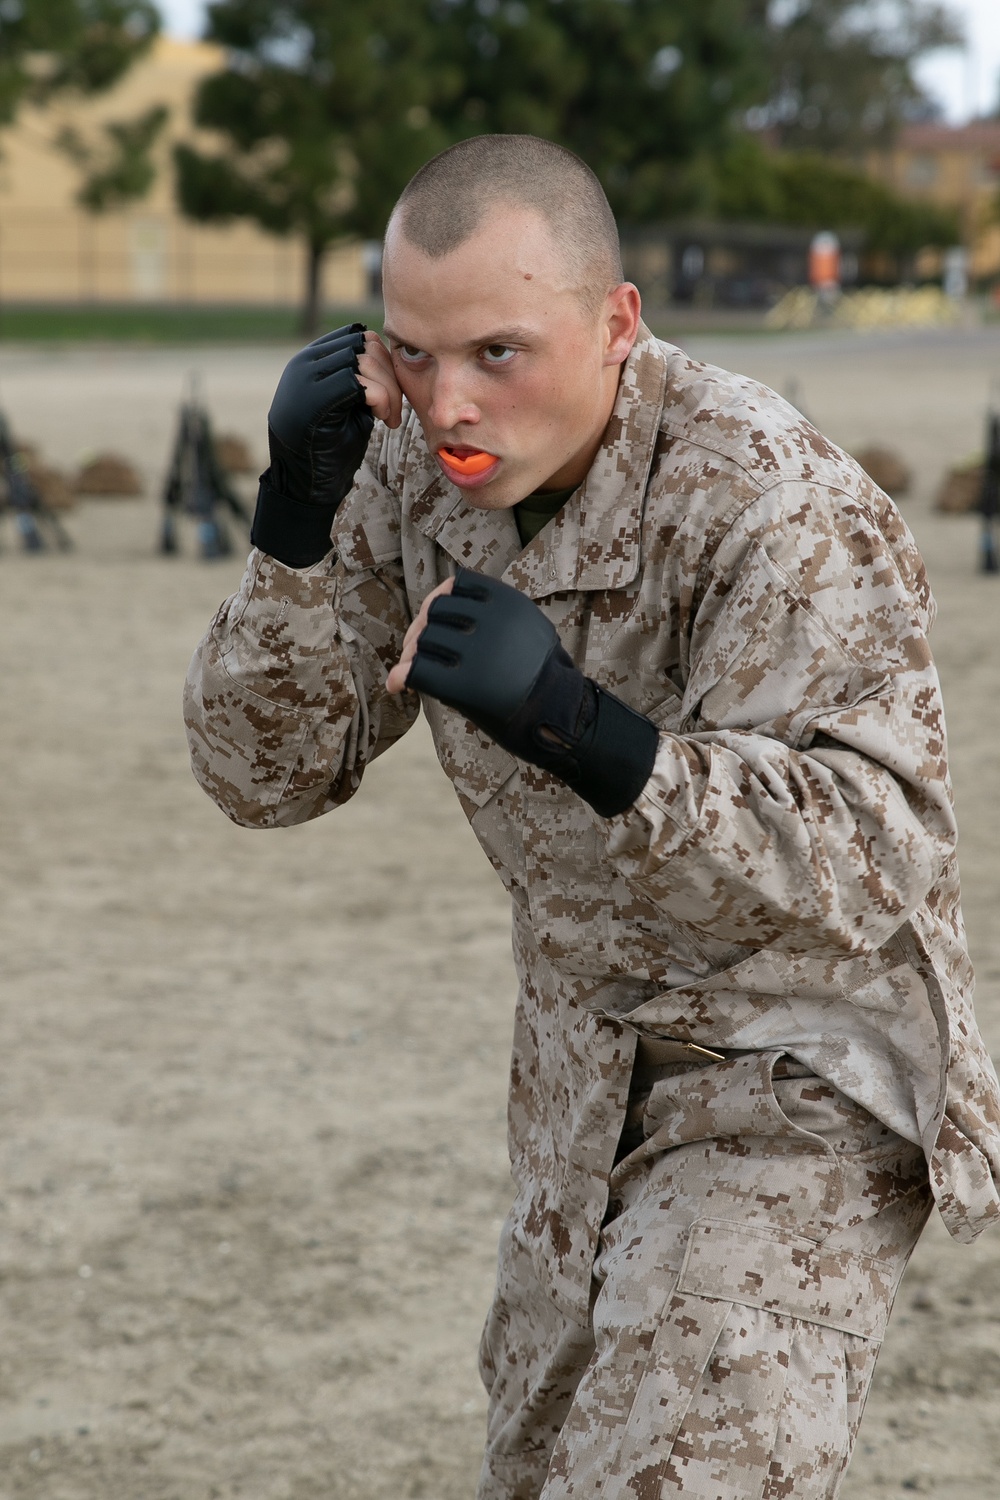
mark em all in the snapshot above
pixel 754 185
pixel 120 168
pixel 647 93
pixel 51 46
pixel 324 109
pixel 322 113
pixel 840 73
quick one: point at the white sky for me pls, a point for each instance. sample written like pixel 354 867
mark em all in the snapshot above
pixel 967 82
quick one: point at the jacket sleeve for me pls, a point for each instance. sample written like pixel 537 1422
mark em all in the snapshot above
pixel 805 805
pixel 285 700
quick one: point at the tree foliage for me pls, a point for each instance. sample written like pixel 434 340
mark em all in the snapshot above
pixel 49 46
pixel 646 93
pixel 841 72
pixel 322 113
pixel 755 185
pixel 325 108
pixel 119 169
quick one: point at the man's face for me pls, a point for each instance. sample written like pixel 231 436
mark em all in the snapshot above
pixel 496 353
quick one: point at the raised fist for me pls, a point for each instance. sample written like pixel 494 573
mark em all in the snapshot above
pixel 317 432
pixel 490 652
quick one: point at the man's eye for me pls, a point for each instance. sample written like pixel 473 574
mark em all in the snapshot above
pixel 498 354
pixel 408 353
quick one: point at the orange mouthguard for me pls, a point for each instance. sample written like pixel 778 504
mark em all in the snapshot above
pixel 469 463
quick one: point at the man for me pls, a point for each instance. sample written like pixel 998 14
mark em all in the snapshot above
pixel 671 644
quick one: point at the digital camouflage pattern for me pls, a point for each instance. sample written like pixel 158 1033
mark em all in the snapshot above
pixel 786 883
pixel 752 1249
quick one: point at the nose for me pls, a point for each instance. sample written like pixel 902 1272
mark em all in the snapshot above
pixel 451 404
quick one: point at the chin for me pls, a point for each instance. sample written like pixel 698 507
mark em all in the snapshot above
pixel 483 500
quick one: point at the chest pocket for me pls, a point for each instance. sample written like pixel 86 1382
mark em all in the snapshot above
pixel 772 663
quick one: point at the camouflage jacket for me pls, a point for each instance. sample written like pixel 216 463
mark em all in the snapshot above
pixel 787 879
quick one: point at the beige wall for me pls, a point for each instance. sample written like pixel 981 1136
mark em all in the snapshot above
pixel 956 168
pixel 53 251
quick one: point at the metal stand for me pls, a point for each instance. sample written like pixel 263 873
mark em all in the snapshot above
pixel 989 500
pixel 197 486
pixel 39 527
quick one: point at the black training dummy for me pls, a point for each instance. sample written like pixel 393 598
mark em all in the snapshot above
pixel 489 651
pixel 317 432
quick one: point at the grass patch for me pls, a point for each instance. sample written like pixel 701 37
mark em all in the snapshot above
pixel 163 323
pixel 173 323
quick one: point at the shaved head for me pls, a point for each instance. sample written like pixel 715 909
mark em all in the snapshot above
pixel 445 203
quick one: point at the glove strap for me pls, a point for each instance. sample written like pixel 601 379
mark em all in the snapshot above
pixel 296 533
pixel 616 759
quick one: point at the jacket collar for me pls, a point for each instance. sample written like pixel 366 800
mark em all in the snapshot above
pixel 594 541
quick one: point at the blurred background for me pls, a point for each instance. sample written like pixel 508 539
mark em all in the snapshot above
pixel 243 157
pixel 252 1144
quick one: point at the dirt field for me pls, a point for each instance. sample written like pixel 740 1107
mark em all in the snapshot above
pixel 252 1160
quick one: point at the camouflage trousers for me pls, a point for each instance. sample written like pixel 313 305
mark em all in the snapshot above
pixel 758 1224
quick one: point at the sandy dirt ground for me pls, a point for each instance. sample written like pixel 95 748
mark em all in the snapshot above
pixel 252 1158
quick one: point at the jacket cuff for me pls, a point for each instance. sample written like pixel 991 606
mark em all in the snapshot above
pixel 296 533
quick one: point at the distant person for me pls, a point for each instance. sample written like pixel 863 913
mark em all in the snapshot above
pixel 672 647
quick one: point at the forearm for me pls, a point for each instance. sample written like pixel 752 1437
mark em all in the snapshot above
pixel 764 846
pixel 284 703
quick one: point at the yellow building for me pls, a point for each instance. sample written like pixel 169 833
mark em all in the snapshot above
pixel 51 250
pixel 957 167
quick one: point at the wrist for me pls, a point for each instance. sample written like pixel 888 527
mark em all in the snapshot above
pixel 296 532
pixel 616 757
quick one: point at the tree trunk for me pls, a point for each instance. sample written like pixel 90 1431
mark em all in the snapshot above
pixel 312 309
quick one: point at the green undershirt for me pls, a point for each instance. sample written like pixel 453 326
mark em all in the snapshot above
pixel 537 511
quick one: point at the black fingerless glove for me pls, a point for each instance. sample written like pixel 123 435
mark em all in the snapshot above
pixel 317 432
pixel 489 651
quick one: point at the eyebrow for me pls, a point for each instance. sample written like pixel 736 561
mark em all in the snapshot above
pixel 516 335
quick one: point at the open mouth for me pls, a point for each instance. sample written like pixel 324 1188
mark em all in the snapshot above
pixel 469 463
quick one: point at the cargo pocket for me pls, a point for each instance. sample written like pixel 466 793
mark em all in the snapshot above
pixel 782 1272
pixel 778 1408
pixel 735 1349
pixel 754 1375
pixel 773 1411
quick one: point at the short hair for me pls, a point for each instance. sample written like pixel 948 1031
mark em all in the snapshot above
pixel 444 202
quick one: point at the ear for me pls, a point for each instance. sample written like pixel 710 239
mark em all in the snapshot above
pixel 622 311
